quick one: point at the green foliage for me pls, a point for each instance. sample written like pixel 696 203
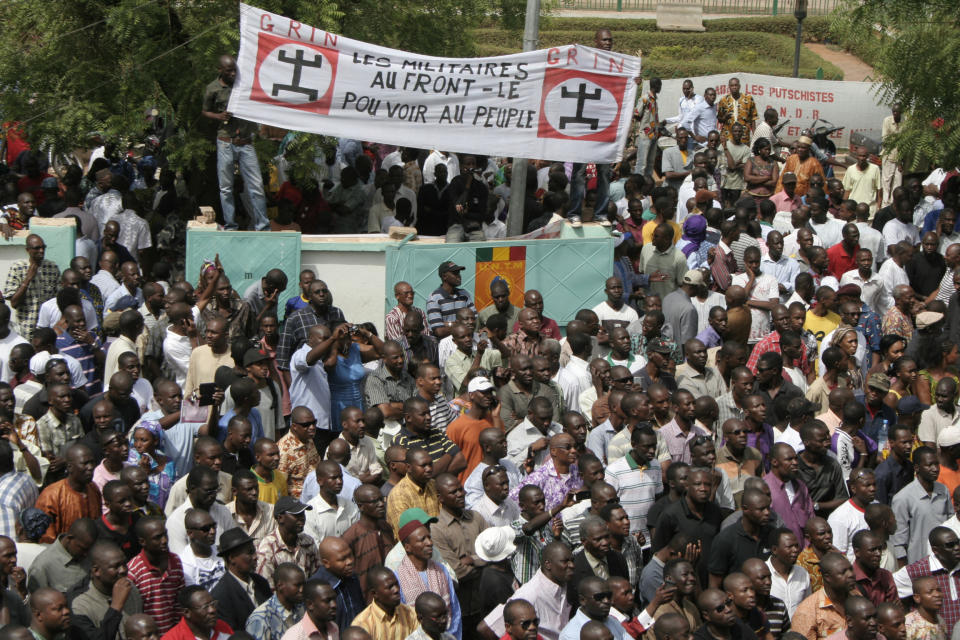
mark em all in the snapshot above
pixel 70 67
pixel 672 54
pixel 915 55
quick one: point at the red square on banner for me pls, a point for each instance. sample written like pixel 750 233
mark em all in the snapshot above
pixel 579 105
pixel 294 74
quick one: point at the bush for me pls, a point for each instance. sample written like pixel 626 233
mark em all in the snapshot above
pixel 674 54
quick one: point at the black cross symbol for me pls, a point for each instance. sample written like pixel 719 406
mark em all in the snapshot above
pixel 582 96
pixel 298 64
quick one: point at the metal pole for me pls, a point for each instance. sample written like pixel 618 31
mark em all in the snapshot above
pixel 796 50
pixel 518 178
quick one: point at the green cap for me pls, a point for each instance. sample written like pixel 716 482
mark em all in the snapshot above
pixel 415 514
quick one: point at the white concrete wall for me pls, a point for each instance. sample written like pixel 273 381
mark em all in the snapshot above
pixel 355 278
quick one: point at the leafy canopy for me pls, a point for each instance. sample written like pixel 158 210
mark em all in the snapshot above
pixel 914 45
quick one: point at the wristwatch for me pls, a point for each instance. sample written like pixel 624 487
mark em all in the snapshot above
pixel 816 506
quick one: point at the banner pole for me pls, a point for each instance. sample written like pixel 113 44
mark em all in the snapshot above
pixel 518 177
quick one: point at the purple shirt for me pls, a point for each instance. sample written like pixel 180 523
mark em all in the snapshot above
pixel 553 486
pixel 794 514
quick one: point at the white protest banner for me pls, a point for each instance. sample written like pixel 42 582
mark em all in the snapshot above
pixel 851 105
pixel 565 103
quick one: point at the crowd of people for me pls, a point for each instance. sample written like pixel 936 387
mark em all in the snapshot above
pixel 754 436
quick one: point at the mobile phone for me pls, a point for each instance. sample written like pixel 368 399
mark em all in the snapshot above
pixel 582 495
pixel 207 389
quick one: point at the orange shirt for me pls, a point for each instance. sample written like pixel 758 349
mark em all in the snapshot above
pixel 949 477
pixel 465 433
pixel 66 506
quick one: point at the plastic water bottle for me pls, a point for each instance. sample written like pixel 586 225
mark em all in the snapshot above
pixel 883 443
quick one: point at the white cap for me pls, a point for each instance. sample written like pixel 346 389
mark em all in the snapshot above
pixel 39 362
pixel 479 384
pixel 495 544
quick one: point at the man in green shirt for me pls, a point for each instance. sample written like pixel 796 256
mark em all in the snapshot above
pixel 234 146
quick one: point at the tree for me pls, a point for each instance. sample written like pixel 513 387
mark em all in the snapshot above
pixel 70 67
pixel 914 45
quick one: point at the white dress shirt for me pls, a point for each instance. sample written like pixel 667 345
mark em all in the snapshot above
pixel 785 271
pixel 830 232
pixel 326 520
pixel 685 108
pixel 176 355
pixel 473 485
pixel 309 387
pixel 872 239
pixel 891 275
pixel 497 516
pixel 791 590
pixel 872 290
pixel 105 282
pixel 525 434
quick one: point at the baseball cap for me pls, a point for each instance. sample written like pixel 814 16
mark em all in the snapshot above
pixel 254 355
pixel 788 176
pixel 911 404
pixel 927 319
pixel 449 265
pixel 479 383
pixel 49 183
pixel 694 277
pixel 880 381
pixel 289 504
pixel 659 345
pixel 948 437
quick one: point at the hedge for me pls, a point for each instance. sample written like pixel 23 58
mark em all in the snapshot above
pixel 815 28
pixel 674 54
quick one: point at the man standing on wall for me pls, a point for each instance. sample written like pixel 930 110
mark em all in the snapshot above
pixel 603 39
pixel 234 147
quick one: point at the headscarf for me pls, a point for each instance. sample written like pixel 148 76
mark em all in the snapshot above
pixel 694 232
pixel 156 430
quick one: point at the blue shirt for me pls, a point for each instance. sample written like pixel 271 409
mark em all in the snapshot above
pixel 874 422
pixel 269 620
pixel 891 477
pixel 572 630
pixel 350 600
pixel 256 422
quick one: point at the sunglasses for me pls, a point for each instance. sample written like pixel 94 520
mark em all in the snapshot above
pixel 312 423
pixel 489 471
pixel 532 622
pixel 721 607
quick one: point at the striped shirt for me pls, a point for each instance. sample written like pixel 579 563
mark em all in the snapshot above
pixel 382 387
pixel 525 562
pixel 637 486
pixel 442 307
pixel 369 546
pixel 17 492
pixel 85 355
pixel 158 588
pixel 435 442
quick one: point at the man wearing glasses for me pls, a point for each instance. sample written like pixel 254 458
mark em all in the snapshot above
pixel 30 283
pixel 595 600
pixel 298 453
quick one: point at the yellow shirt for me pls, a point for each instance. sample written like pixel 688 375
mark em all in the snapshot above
pixel 650 227
pixel 821 326
pixel 375 621
pixel 271 490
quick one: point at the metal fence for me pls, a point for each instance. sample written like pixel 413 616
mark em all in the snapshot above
pixel 736 7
